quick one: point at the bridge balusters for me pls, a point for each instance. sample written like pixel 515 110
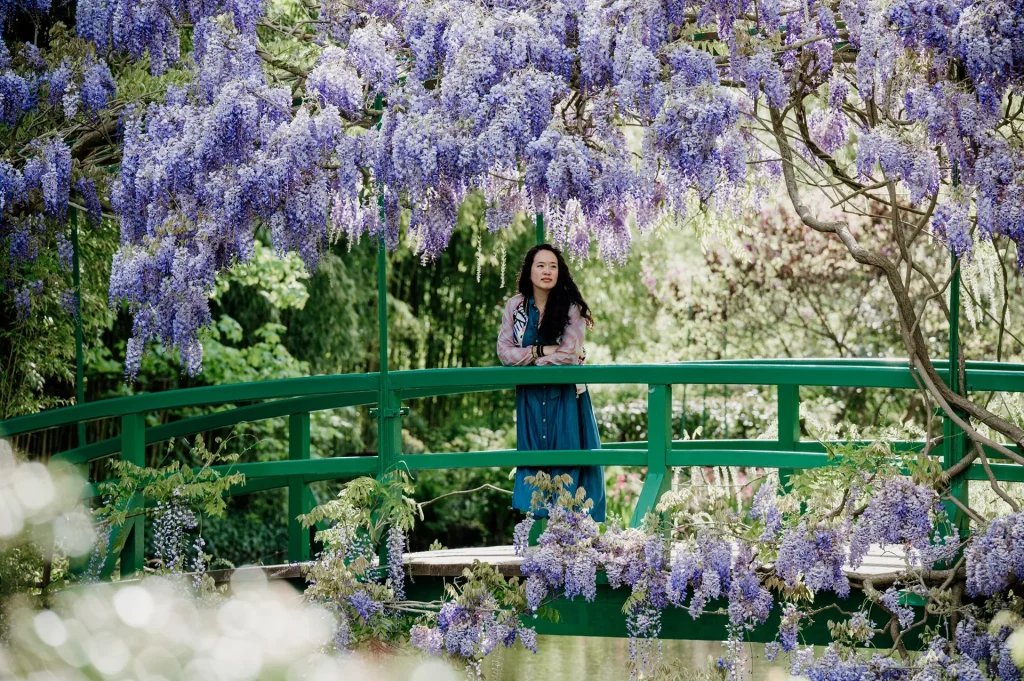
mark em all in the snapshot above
pixel 659 443
pixel 300 498
pixel 789 426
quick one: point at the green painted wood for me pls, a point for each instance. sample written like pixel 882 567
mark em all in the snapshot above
pixel 819 447
pixel 299 496
pixel 508 458
pixel 389 423
pixel 997 380
pixel 222 419
pixel 659 438
pixel 349 467
pixel 425 393
pixel 999 456
pixel 686 445
pixel 263 484
pixel 765 458
pixel 788 398
pixel 339 466
pixel 389 432
pixel 91 452
pixel 1004 472
pixel 603 617
pixel 635 444
pixel 278 481
pixel 955 444
pixel 981 376
pixel 751 373
pixel 133 450
pixel 190 397
pixel 540 228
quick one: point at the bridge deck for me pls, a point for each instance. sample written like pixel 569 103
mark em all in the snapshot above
pixel 452 562
pixel 428 572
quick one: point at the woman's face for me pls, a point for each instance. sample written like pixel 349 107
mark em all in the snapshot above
pixel 544 273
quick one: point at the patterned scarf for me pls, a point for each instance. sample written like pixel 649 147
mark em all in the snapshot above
pixel 520 319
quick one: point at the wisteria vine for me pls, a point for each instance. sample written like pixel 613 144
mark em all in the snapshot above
pixel 412 105
pixel 773 560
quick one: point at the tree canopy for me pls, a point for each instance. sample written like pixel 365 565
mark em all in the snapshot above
pixel 300 118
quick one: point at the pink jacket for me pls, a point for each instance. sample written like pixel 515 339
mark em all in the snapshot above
pixel 512 353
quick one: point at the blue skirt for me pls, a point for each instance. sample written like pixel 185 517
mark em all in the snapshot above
pixel 554 417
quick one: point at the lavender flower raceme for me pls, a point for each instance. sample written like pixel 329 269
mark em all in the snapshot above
pixel 396 551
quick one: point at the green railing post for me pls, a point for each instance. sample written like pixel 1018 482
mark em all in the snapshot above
pixel 682 416
pixel 954 444
pixel 659 443
pixel 389 424
pixel 789 426
pixel 299 495
pixel 76 279
pixel 540 228
pixel 133 450
pixel 725 388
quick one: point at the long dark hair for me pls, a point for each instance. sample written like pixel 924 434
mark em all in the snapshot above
pixel 564 295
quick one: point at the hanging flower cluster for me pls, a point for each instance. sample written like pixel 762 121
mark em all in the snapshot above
pixel 748 570
pixel 37 183
pixel 605 117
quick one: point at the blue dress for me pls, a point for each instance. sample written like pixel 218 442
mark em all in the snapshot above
pixel 555 417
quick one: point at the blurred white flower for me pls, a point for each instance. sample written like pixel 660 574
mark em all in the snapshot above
pixel 1016 645
pixel 156 629
pixel 42 501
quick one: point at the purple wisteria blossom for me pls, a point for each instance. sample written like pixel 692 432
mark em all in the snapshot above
pixel 904 613
pixel 173 521
pixel 816 555
pixel 706 570
pixel 565 559
pixel 98 87
pixel 528 103
pixel 765 508
pixel 396 550
pixel 996 556
pixel 900 512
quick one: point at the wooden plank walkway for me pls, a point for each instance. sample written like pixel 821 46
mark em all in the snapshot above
pixel 452 562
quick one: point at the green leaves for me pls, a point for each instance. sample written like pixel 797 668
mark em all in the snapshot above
pixel 369 504
pixel 203 488
pixel 278 279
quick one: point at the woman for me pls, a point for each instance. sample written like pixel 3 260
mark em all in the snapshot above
pixel 544 325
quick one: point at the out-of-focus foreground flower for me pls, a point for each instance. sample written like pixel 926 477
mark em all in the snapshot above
pixel 42 508
pixel 156 629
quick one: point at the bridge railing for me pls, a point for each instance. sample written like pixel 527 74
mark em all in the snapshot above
pixel 297 398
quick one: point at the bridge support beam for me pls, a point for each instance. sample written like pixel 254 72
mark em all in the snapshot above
pixel 300 498
pixel 659 443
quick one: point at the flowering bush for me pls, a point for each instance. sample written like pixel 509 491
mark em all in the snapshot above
pixel 368 599
pixel 780 556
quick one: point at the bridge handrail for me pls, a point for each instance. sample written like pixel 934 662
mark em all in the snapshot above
pixel 877 373
pixel 296 398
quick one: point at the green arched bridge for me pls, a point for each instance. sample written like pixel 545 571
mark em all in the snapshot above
pixel 386 393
